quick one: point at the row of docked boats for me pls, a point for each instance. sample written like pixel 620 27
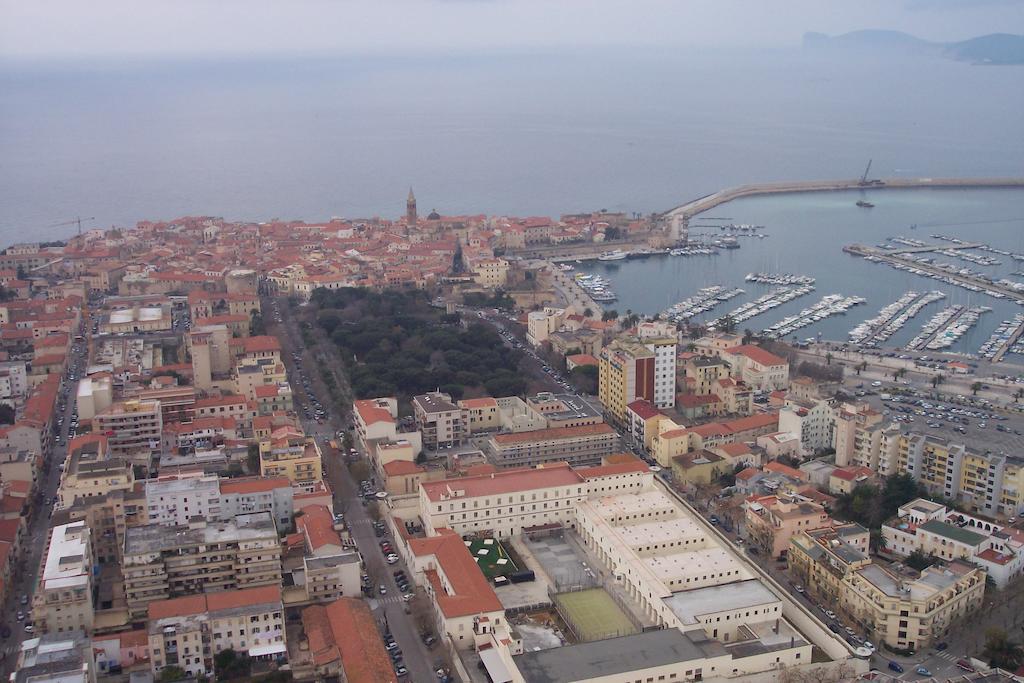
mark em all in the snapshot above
pixel 779 279
pixel 703 301
pixel 965 255
pixel 946 267
pixel 597 287
pixel 765 303
pixel 946 327
pixel 1002 335
pixel 692 250
pixel 832 304
pixel 892 318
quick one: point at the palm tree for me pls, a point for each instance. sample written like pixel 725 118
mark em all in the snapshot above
pixel 862 366
pixel 899 373
pixel 975 388
pixel 828 358
pixel 937 380
pixel 1017 394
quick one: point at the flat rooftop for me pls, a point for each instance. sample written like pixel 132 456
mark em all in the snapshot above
pixel 691 605
pixel 605 658
pixel 155 538
pixel 694 565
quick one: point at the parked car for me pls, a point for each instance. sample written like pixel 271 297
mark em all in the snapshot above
pixel 895 666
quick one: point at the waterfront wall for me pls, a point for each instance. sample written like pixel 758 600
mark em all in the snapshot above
pixel 691 209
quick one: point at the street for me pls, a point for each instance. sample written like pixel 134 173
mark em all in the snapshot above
pixel 389 610
pixel 25 573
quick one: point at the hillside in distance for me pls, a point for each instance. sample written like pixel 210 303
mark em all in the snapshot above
pixel 995 48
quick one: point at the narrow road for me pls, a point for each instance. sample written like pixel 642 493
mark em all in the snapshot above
pixel 388 609
pixel 25 573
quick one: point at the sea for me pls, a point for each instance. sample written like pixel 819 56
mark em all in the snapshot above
pixel 512 133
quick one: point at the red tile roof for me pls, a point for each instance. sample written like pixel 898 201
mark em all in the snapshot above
pixel 554 433
pixel 756 354
pixel 507 481
pixel 614 469
pixel 213 602
pixel 397 468
pixel 317 523
pixel 346 630
pixel 370 413
pixel 643 409
pixel 485 402
pixel 260 343
pixel 470 593
pixel 253 484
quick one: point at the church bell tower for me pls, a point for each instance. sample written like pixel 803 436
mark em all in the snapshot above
pixel 410 211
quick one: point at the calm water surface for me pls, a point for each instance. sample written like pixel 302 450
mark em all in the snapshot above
pixel 806 236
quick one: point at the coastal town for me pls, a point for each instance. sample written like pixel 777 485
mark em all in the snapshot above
pixel 431 449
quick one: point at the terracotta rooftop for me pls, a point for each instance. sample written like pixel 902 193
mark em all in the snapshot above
pixel 554 433
pixel 253 484
pixel 317 523
pixel 346 630
pixel 506 481
pixel 756 354
pixel 466 591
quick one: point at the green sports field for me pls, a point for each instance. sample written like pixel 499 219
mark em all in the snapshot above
pixel 489 562
pixel 593 615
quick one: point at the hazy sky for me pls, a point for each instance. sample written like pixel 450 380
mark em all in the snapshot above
pixel 63 28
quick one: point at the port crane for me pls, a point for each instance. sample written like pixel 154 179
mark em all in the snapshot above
pixel 864 181
pixel 76 221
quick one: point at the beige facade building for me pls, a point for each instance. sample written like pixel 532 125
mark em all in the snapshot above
pixel 905 609
pixel 92 471
pixel 63 598
pixel 585 445
pixel 162 562
pixel 188 632
pixel 439 420
pixel 133 429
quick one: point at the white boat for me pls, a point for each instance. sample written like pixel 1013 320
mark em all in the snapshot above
pixel 616 255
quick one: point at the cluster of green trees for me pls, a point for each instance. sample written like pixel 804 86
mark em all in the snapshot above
pixel 499 299
pixel 395 343
pixel 870 506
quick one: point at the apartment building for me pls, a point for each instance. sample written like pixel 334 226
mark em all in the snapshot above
pixel 55 658
pixel 290 453
pixel 92 471
pixel 344 642
pixel 585 445
pixel 934 530
pixel 771 521
pixel 862 439
pixel 905 609
pixel 174 500
pixel 439 420
pixel 242 496
pixel 107 516
pixel 986 483
pixel 760 369
pixel 162 562
pixel 632 368
pixel 132 428
pixel 188 632
pixel 812 421
pixel 62 602
pixel 480 414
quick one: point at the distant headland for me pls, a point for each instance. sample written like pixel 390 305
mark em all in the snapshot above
pixel 995 48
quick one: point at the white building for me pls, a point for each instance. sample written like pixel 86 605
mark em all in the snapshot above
pixel 63 599
pixel 174 500
pixel 813 421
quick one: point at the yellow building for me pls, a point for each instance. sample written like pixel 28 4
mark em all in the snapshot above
pixel 491 272
pixel 698 467
pixel 90 472
pixel 906 610
pixel 290 453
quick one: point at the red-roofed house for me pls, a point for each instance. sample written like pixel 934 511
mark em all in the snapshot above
pixel 467 608
pixel 642 419
pixel 760 369
pixel 249 620
pixel 344 641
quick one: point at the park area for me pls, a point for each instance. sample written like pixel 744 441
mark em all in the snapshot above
pixel 492 558
pixel 592 614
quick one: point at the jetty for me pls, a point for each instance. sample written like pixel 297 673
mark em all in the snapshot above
pixel 684 212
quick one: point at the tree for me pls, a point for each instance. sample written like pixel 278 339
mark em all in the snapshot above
pixel 1017 394
pixel 584 378
pixel 937 380
pixel 828 358
pixel 748 335
pixel 1002 652
pixel 252 459
pixel 975 388
pixel 918 560
pixel 172 673
pixel 899 373
pixel 727 324
pixel 861 367
pixel 588 312
pixel 229 664
pixel 7 414
pixel 610 314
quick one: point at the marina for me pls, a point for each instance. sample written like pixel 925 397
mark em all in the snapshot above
pixel 779 279
pixel 946 327
pixel 597 288
pixel 703 301
pixel 832 304
pixel 808 233
pixel 1003 339
pixel 765 303
pixel 892 318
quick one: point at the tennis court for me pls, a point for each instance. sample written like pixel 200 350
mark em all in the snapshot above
pixel 592 614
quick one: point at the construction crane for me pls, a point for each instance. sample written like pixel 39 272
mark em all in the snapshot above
pixel 77 221
pixel 864 178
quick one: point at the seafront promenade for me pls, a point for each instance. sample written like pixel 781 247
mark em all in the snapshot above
pixel 691 209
